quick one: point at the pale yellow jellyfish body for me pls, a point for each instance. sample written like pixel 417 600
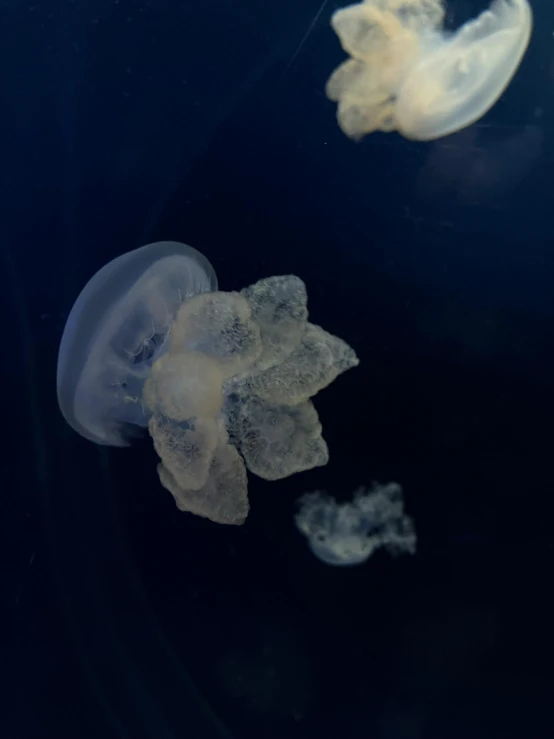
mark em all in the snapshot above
pixel 407 74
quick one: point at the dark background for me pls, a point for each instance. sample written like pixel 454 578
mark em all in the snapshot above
pixel 126 122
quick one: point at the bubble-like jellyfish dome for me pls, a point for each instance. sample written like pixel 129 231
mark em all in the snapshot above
pixel 348 533
pixel 223 380
pixel 117 329
pixel 407 73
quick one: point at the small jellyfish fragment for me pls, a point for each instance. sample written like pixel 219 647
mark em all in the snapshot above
pixel 349 533
pixel 407 74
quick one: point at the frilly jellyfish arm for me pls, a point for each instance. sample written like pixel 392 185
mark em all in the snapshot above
pixel 407 74
pixel 115 332
pixel 232 392
pixel 220 326
pixel 278 441
pixel 223 498
pixel 349 533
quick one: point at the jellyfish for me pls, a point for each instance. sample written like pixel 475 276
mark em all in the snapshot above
pixel 349 533
pixel 407 74
pixel 222 381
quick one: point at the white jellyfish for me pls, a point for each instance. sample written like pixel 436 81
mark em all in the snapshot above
pixel 349 533
pixel 222 381
pixel 406 73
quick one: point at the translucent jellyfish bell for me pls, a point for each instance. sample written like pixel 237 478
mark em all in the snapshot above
pixel 407 74
pixel 116 331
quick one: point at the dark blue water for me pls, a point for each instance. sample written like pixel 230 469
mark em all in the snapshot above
pixel 129 122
